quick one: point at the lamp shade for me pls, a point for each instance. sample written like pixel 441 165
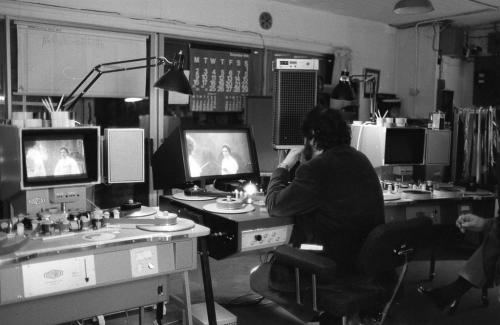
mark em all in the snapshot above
pixel 408 7
pixel 175 79
pixel 343 90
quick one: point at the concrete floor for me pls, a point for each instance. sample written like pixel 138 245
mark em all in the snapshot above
pixel 231 288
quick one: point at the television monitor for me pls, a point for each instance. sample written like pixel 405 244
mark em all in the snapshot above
pixel 56 157
pixel 390 146
pixel 200 155
pixel 404 146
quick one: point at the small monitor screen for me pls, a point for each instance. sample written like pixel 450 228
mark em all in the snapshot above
pixel 55 158
pixel 404 146
pixel 218 153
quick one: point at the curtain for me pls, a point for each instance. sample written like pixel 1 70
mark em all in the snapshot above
pixel 476 145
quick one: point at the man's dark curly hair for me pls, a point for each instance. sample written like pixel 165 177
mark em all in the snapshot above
pixel 327 127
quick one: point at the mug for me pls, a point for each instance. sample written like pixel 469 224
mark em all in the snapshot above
pixel 380 121
pixel 60 119
pixel 401 121
pixel 388 122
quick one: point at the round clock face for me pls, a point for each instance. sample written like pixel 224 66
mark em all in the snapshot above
pixel 265 20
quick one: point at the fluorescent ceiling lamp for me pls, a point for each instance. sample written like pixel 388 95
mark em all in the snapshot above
pixel 409 7
pixel 132 99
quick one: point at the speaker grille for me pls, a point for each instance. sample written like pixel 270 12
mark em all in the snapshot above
pixel 294 95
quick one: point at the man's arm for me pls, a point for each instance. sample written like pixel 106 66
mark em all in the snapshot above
pixel 298 197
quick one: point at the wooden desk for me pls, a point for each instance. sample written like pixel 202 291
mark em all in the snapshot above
pixel 94 273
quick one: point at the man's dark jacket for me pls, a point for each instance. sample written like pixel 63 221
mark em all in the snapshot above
pixel 335 200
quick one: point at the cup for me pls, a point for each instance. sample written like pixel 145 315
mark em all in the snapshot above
pixel 388 122
pixel 401 121
pixel 380 121
pixel 33 123
pixel 60 119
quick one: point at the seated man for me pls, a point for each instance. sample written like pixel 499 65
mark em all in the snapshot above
pixel 335 197
pixel 480 269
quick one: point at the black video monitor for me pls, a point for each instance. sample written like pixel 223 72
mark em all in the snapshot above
pixel 191 155
pixel 53 157
pixel 404 146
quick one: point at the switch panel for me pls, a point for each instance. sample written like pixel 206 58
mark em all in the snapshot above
pixel 262 238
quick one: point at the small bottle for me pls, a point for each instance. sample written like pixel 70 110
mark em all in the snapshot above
pixel 429 186
pixel 20 229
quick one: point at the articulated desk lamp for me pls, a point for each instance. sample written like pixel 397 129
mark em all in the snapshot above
pixel 173 79
pixel 343 90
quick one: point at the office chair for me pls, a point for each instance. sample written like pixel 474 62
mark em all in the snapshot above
pixel 369 292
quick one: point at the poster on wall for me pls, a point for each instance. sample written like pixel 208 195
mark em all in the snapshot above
pixel 219 80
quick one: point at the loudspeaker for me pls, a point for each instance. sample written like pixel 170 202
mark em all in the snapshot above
pixel 294 95
pixel 259 117
pixel 123 155
pixel 494 43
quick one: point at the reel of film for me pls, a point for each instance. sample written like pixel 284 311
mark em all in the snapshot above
pixel 229 203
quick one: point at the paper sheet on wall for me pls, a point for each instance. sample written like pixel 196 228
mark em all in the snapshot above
pixel 52 60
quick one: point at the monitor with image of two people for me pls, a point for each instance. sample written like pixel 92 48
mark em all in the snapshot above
pixel 54 157
pixel 189 156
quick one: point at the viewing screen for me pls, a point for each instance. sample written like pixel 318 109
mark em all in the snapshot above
pixel 404 146
pixel 214 152
pixel 52 157
pixel 46 158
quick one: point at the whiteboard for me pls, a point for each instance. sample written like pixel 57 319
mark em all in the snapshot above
pixel 52 60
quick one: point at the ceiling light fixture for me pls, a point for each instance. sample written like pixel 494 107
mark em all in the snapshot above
pixel 409 7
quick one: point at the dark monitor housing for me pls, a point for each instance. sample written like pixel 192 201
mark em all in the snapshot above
pixel 386 146
pixel 57 157
pixel 404 146
pixel 201 155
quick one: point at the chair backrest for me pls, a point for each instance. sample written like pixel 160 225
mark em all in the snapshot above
pixel 377 255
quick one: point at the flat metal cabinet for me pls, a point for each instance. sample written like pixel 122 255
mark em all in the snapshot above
pixel 61 280
pixel 437 147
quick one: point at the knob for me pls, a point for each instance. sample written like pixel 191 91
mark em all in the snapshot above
pixel 258 237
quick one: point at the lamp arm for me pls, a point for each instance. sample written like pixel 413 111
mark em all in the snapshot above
pixel 100 69
pixel 362 78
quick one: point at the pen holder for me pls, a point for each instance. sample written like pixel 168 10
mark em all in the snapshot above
pixel 60 119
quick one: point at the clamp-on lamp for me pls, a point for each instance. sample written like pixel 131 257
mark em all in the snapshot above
pixel 343 90
pixel 173 79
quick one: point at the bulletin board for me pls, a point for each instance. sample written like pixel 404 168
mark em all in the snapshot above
pixel 219 79
pixel 52 60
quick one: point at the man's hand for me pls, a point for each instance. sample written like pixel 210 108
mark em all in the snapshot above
pixel 470 222
pixel 292 157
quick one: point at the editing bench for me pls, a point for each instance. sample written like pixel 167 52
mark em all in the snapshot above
pixel 51 280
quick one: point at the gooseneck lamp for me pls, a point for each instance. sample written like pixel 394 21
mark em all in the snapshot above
pixel 343 90
pixel 173 79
